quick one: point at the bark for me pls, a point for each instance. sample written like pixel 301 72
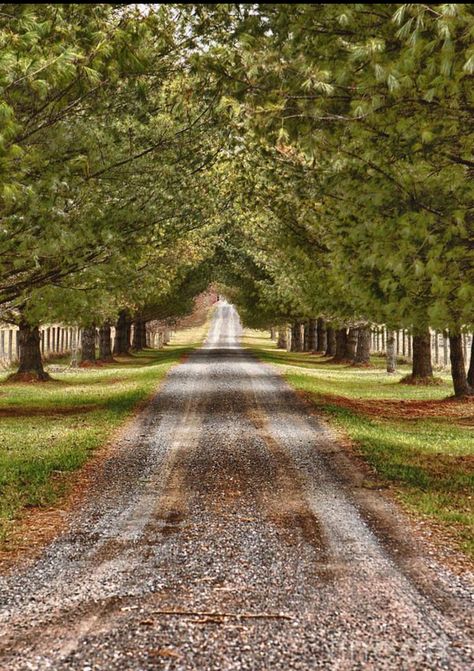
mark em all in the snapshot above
pixel 30 362
pixel 445 347
pixel 470 373
pixel 313 335
pixel 273 333
pixel 341 344
pixel 351 344
pixel 306 336
pixel 362 357
pixel 88 345
pixel 331 341
pixel 296 340
pixel 105 343
pixel 422 368
pixel 458 368
pixel 137 343
pixel 322 331
pixel 122 334
pixel 282 341
pixel 391 354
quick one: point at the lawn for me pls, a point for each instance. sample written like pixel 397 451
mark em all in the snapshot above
pixel 419 443
pixel 48 430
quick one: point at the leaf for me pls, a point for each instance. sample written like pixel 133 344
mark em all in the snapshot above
pixel 469 65
pixel 92 75
pixel 399 14
pixel 283 136
pixel 426 136
pixel 41 87
pixel 393 83
pixel 343 19
pixel 379 72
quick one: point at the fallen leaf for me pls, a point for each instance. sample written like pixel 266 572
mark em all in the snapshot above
pixel 164 652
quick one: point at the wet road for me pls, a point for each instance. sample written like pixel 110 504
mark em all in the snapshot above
pixel 227 530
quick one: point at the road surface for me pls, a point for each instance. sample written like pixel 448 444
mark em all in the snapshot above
pixel 227 530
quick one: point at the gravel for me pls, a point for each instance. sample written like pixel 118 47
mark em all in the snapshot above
pixel 223 534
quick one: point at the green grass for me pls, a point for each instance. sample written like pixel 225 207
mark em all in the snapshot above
pixel 49 430
pixel 425 451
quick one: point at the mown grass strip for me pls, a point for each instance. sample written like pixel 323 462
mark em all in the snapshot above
pixel 49 430
pixel 418 442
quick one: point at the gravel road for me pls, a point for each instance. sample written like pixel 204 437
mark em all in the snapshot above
pixel 227 530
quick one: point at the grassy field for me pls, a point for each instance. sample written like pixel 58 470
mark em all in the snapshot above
pixel 418 442
pixel 48 430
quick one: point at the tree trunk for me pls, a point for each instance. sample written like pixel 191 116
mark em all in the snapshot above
pixel 351 344
pixel 330 341
pixel 322 336
pixel 470 373
pixel 105 343
pixel 122 333
pixel 391 354
pixel 362 357
pixel 458 368
pixel 313 335
pixel 282 339
pixel 30 367
pixel 341 344
pixel 296 340
pixel 137 342
pixel 272 333
pixel 306 336
pixel 88 345
pixel 422 369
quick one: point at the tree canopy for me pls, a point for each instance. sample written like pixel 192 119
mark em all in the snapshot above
pixel 314 159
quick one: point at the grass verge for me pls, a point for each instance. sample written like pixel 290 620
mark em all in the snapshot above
pixel 48 430
pixel 419 442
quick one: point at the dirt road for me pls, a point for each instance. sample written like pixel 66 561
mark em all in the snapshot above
pixel 227 530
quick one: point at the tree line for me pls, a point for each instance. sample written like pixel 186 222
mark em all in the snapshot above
pixel 315 159
pixel 356 169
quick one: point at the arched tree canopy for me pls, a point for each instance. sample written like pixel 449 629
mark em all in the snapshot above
pixel 314 160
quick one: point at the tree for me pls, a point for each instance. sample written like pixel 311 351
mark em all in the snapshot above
pixel 92 94
pixel 375 103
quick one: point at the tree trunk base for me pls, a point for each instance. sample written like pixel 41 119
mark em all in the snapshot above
pixel 29 376
pixel 366 364
pixel 106 359
pixel 91 364
pixel 426 381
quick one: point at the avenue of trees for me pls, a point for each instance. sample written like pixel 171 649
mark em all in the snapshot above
pixel 316 160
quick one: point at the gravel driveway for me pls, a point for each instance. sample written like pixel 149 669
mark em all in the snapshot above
pixel 227 530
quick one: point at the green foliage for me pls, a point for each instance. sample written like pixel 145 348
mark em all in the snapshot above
pixel 92 95
pixel 314 159
pixel 370 109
